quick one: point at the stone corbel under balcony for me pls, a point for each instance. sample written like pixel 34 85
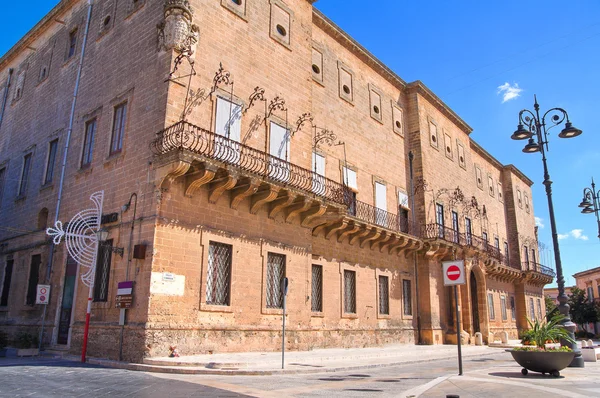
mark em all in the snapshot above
pixel 536 278
pixel 500 271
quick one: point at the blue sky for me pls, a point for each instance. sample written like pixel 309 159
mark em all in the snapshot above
pixel 465 51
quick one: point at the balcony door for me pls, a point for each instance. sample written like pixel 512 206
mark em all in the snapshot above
pixel 468 231
pixel 439 217
pixel 380 203
pixel 455 226
pixel 228 125
pixel 318 165
pixel 279 149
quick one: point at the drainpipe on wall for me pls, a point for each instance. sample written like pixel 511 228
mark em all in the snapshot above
pixel 411 156
pixel 64 163
pixel 5 99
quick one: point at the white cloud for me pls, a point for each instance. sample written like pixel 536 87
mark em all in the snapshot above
pixel 575 233
pixel 539 222
pixel 578 234
pixel 509 92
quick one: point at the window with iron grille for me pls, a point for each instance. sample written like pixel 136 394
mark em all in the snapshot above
pixel 275 275
pixel 539 307
pixel 103 271
pixel 503 307
pixel 531 308
pixel 491 306
pixel 25 174
pixel 34 275
pixel 8 269
pixel 407 296
pixel 51 160
pixel 118 130
pixel 513 309
pixel 218 274
pixel 349 292
pixel 384 295
pixel 317 289
pixel 88 143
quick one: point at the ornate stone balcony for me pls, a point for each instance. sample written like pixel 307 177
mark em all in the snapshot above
pixel 538 274
pixel 200 157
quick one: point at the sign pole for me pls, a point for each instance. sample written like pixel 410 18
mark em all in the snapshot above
pixel 458 332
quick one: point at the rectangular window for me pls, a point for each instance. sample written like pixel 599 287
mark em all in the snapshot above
pixel 506 253
pixel 349 292
pixel 88 143
pixel 439 217
pixel 350 180
pixel 497 243
pixel 1 199
pixel 318 168
pixel 118 130
pixel 533 259
pixel 407 297
pixel 72 43
pixel 531 308
pixel 8 269
pixel 380 204
pixel 455 228
pixel 51 160
pixel 25 174
pixel 317 289
pixel 228 124
pixel 218 274
pixel 484 235
pixel 275 275
pixel 539 308
pixel 590 293
pixel 279 149
pixel 384 295
pixel 526 256
pixel 468 232
pixel 503 307
pixel 513 309
pixel 491 306
pixel 34 275
pixel 2 180
pixel 103 271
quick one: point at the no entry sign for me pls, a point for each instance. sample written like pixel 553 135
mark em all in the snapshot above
pixel 454 272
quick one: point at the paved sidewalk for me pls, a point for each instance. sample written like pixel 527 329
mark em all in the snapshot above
pixel 296 362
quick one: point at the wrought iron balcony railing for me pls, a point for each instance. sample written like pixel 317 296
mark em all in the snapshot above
pixel 376 216
pixel 539 268
pixel 438 231
pixel 184 136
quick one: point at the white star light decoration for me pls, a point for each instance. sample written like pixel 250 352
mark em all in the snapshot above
pixel 81 237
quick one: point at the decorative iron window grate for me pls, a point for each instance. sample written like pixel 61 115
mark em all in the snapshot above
pixel 349 292
pixel 317 288
pixel 407 296
pixel 103 271
pixel 218 274
pixel 275 275
pixel 384 295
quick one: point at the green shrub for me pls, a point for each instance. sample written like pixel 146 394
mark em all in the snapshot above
pixel 542 332
pixel 27 340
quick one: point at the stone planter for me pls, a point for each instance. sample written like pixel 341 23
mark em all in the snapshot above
pixel 28 352
pixel 543 362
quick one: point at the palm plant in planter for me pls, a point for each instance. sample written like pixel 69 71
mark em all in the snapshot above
pixel 537 357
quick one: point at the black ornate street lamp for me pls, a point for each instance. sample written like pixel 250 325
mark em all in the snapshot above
pixel 533 127
pixel 591 203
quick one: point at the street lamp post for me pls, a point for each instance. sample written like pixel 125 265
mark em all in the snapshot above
pixel 591 203
pixel 534 128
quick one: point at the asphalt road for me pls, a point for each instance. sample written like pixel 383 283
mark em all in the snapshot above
pixel 46 377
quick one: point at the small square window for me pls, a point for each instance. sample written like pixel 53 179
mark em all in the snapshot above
pixel 281 17
pixel 346 78
pixel 433 134
pixel 375 103
pixel 397 119
pixel 317 65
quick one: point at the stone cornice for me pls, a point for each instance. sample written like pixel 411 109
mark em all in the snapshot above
pixel 36 31
pixel 479 149
pixel 420 88
pixel 519 174
pixel 329 27
pixel 586 272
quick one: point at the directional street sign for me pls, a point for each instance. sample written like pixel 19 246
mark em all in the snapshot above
pixel 454 272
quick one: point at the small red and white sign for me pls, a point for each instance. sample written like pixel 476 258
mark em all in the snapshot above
pixel 43 294
pixel 454 272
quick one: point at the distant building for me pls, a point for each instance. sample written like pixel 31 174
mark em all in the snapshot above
pixel 552 292
pixel 590 282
